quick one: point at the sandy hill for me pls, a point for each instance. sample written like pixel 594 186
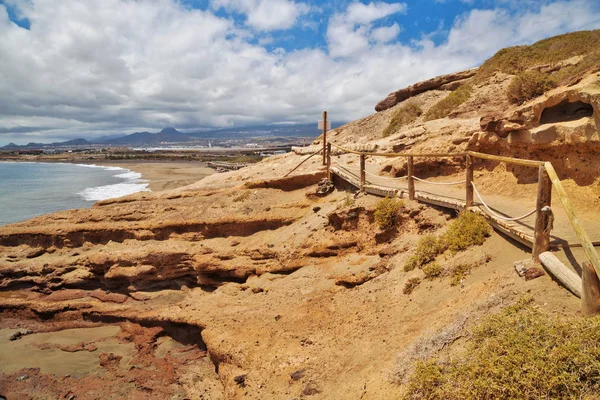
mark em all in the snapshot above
pixel 248 284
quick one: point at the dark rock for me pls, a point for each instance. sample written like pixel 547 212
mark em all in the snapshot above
pixel 533 273
pixel 297 375
pixel 19 335
pixel 311 389
pixel 240 380
pixel 316 209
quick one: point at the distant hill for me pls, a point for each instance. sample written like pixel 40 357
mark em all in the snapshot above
pixel 172 135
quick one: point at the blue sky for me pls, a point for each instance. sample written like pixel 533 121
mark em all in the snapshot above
pixel 85 68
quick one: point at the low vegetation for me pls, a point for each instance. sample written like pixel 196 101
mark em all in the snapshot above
pixel 386 212
pixel 469 229
pixel 410 285
pixel 460 272
pixel 529 85
pixel 433 270
pixel 520 353
pixel 408 112
pixel 241 197
pixel 427 250
pixel 444 107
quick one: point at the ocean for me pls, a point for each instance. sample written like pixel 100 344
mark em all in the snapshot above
pixel 31 189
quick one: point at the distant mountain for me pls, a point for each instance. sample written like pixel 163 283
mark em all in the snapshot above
pixel 172 135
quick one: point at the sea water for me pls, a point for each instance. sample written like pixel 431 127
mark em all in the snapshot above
pixel 31 189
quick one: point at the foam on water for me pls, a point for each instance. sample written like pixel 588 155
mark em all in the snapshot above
pixel 112 191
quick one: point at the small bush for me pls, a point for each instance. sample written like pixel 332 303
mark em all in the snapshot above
pixel 444 107
pixel 386 212
pixel 459 273
pixel 469 229
pixel 404 115
pixel 410 285
pixel 433 270
pixel 348 200
pixel 521 353
pixel 529 85
pixel 427 250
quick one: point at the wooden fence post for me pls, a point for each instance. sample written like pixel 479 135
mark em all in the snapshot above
pixel 541 241
pixel 469 182
pixel 329 162
pixel 590 290
pixel 363 176
pixel 324 137
pixel 411 180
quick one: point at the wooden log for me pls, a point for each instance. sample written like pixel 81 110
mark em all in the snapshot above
pixel 584 239
pixel 543 216
pixel 590 296
pixel 329 162
pixel 509 160
pixel 411 178
pixel 363 175
pixel 567 277
pixel 324 137
pixel 469 181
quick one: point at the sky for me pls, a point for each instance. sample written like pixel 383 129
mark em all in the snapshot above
pixel 88 68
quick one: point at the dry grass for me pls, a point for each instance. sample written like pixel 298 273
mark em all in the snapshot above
pixel 241 197
pixel 427 250
pixel 520 353
pixel 514 60
pixel 410 285
pixel 404 115
pixel 386 212
pixel 433 270
pixel 444 107
pixel 469 229
pixel 529 85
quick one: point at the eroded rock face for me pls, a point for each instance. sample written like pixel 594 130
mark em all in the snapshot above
pixel 565 115
pixel 444 82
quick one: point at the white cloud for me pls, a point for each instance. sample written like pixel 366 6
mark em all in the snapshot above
pixel 386 34
pixel 349 33
pixel 265 15
pixel 89 68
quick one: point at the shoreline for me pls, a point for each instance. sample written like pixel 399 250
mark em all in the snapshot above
pixel 161 175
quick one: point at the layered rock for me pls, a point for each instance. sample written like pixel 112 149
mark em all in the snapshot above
pixel 444 82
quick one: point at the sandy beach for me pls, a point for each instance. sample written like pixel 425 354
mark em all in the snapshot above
pixel 165 175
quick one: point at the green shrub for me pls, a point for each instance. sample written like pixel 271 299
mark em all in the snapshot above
pixel 433 270
pixel 404 115
pixel 529 85
pixel 469 229
pixel 410 285
pixel 520 353
pixel 427 250
pixel 444 107
pixel 386 212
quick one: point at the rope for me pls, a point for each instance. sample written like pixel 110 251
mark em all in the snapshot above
pixel 305 160
pixel 498 215
pixel 439 183
pixel 384 177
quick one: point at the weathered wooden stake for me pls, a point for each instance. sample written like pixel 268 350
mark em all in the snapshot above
pixel 363 175
pixel 469 182
pixel 411 180
pixel 543 214
pixel 324 137
pixel 329 162
pixel 590 290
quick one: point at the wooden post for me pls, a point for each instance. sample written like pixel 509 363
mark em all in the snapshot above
pixel 469 181
pixel 324 137
pixel 590 290
pixel 410 176
pixel 329 162
pixel 363 175
pixel 543 214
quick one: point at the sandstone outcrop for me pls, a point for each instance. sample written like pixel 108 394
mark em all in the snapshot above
pixel 444 82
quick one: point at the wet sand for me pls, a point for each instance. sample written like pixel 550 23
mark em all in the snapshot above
pixel 164 175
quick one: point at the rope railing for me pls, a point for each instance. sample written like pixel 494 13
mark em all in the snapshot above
pixel 496 214
pixel 548 179
pixel 439 183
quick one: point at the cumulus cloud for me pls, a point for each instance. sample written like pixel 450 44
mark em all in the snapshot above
pixel 265 15
pixel 89 68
